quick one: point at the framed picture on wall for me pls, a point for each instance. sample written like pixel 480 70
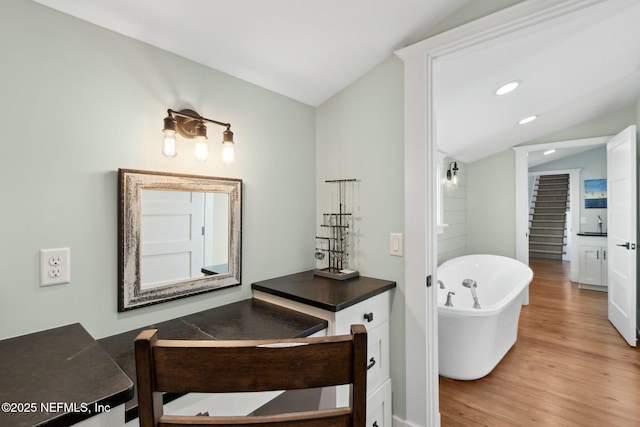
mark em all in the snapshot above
pixel 595 193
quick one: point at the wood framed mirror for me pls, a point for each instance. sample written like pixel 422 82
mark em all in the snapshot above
pixel 178 236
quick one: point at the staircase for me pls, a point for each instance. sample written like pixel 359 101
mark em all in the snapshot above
pixel 547 225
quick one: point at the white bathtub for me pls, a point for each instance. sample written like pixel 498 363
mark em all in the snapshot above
pixel 471 341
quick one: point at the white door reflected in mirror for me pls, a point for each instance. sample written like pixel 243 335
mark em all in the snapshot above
pixel 184 235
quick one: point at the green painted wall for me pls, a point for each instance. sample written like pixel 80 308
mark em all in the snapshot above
pixel 79 102
pixel 360 135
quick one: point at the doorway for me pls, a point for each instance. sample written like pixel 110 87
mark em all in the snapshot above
pixel 618 256
pixel 522 156
pixel 420 145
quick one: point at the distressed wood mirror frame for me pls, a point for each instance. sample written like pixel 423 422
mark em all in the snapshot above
pixel 131 293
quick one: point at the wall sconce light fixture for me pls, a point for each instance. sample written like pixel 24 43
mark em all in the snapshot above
pixel 191 125
pixel 452 173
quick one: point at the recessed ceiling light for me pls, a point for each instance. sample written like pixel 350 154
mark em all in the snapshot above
pixel 546 153
pixel 508 87
pixel 527 119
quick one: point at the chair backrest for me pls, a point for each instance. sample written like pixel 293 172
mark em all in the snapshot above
pixel 182 366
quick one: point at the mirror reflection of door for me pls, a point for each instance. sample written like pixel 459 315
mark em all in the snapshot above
pixel 184 235
pixel 216 233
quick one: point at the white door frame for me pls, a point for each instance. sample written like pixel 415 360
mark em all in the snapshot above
pixel 521 196
pixel 421 328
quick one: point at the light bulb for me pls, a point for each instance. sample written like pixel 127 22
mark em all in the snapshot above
pixel 201 149
pixel 169 143
pixel 227 153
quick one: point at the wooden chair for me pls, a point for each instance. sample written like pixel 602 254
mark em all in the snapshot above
pixel 183 366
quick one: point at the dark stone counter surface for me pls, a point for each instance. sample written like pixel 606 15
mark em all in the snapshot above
pixel 61 376
pixel 58 377
pixel 328 294
pixel 248 319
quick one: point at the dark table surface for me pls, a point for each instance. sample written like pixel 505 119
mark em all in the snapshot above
pixel 58 377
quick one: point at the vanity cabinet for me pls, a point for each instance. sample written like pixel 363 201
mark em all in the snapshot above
pixel 593 264
pixel 343 303
pixel 230 404
pixel 113 417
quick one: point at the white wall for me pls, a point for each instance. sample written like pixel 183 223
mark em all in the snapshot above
pixel 452 242
pixel 360 135
pixel 79 102
pixel 491 206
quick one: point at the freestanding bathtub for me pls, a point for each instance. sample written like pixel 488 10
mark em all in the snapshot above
pixel 472 341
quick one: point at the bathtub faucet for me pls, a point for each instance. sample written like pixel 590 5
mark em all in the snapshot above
pixel 449 303
pixel 472 284
pixel 440 284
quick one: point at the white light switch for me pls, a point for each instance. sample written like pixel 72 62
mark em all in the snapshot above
pixel 395 244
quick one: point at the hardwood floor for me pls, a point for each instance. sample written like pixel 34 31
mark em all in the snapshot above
pixel 569 367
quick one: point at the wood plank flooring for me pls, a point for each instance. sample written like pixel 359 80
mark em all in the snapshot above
pixel 569 367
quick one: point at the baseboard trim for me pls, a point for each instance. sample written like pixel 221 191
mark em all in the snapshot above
pixel 398 422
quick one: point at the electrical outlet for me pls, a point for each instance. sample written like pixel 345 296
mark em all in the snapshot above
pixel 55 266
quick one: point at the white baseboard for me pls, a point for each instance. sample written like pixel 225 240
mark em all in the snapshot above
pixel 397 422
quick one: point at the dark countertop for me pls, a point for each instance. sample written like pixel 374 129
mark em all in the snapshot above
pixel 211 270
pixel 248 319
pixel 592 233
pixel 61 366
pixel 322 292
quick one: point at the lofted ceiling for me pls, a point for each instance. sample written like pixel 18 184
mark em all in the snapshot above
pixel 571 69
pixel 306 50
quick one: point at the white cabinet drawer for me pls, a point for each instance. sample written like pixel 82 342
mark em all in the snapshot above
pixel 112 417
pixel 379 406
pixel 378 360
pixel 377 356
pixel 371 313
pixel 218 404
